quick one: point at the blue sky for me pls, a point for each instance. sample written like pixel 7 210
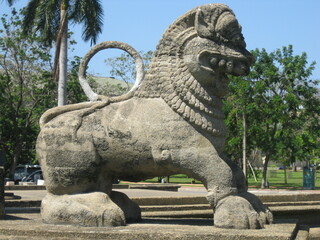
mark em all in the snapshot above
pixel 268 24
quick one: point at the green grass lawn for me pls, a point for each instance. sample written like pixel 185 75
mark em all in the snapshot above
pixel 275 178
pixel 179 179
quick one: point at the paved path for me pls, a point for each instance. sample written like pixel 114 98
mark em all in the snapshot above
pixel 29 225
pixel 183 191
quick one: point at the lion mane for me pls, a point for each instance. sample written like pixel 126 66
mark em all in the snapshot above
pixel 169 75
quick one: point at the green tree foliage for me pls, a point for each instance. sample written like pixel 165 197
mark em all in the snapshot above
pixel 107 88
pixel 26 90
pixel 51 19
pixel 123 67
pixel 237 105
pixel 281 104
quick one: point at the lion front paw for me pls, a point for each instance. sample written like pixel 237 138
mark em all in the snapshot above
pixel 241 212
pixel 87 209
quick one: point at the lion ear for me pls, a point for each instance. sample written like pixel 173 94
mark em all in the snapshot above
pixel 203 24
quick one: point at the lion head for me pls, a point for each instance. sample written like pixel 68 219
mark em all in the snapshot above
pixel 191 63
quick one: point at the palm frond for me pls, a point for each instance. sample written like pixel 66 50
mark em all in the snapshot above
pixel 30 16
pixel 10 2
pixel 90 14
pixel 43 16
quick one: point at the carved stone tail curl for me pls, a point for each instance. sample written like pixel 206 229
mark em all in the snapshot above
pixel 105 45
pixel 92 106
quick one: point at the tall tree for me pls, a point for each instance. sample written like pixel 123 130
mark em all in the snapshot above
pixel 281 106
pixel 51 18
pixel 26 90
pixel 288 101
pixel 238 107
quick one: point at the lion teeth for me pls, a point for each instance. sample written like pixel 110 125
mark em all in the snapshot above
pixel 222 63
pixel 213 62
pixel 229 66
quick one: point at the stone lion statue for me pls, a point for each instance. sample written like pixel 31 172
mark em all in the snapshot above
pixel 170 122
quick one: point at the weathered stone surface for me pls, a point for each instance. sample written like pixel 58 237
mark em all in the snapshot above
pixel 171 123
pixel 15 227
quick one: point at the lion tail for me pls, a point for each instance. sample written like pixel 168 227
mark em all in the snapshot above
pixel 56 111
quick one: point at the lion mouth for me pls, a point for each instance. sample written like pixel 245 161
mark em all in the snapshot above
pixel 236 64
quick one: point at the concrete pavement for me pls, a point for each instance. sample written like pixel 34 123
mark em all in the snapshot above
pixel 184 191
pixel 27 224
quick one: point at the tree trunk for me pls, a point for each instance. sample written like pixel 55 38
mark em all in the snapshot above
pixel 16 156
pixel 253 173
pixel 63 59
pixel 264 183
pixel 285 175
pixel 244 144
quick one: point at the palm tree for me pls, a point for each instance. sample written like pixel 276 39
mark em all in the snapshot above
pixel 51 18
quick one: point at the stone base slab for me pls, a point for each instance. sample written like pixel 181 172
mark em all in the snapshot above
pixel 30 226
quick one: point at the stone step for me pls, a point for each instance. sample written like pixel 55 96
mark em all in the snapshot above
pixel 303 233
pixel 298 203
pixel 22 203
pixel 157 208
pixel 146 204
pixel 170 203
pixel 274 206
pixel 306 208
pixel 154 186
pixel 181 200
pixel 16 210
pixel 290 197
pixel 179 214
pixel 149 229
pixel 306 214
pixel 10 196
pixel 314 233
